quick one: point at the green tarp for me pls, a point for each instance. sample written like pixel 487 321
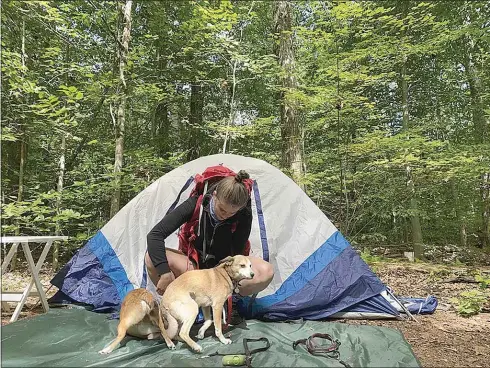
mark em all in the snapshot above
pixel 72 337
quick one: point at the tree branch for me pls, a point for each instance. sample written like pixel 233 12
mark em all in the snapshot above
pixel 107 26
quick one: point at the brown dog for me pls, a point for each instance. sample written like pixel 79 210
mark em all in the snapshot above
pixel 139 317
pixel 208 289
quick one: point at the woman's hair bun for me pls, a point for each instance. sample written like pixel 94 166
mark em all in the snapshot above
pixel 241 176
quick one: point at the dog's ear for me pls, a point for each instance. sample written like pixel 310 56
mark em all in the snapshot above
pixel 228 260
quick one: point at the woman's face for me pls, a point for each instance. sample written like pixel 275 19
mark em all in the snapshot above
pixel 224 210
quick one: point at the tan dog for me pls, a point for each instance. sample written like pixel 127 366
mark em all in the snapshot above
pixel 208 289
pixel 139 317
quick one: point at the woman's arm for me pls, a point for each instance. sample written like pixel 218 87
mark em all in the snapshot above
pixel 242 232
pixel 170 223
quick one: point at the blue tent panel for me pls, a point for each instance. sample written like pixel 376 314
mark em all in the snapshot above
pixel 93 276
pixel 308 270
pixel 420 305
pixel 375 304
pixel 344 282
pixel 113 268
pixel 332 279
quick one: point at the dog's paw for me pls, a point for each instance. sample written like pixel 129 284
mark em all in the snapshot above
pixel 105 351
pixel 226 341
pixel 197 348
pixel 171 345
pixel 200 335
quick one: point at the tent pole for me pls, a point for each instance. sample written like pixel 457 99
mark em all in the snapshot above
pixel 401 305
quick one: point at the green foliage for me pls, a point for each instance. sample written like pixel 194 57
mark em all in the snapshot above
pixel 39 215
pixel 438 275
pixel 8 134
pixel 470 302
pixel 483 280
pixel 370 258
pixel 60 82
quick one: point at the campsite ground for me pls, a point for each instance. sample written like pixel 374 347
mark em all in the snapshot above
pixel 443 339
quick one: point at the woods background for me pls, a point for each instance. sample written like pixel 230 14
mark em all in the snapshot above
pixel 379 110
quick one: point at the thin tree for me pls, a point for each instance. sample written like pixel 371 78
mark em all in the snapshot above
pixel 291 132
pixel 414 211
pixel 123 51
pixel 23 143
pixel 480 130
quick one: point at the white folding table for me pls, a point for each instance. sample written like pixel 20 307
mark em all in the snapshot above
pixel 20 297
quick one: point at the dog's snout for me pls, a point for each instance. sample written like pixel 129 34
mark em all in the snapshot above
pixel 252 274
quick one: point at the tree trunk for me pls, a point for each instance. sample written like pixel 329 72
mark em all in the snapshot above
pixel 23 151
pixel 155 121
pixel 232 113
pixel 231 117
pixel 121 110
pixel 20 190
pixel 61 176
pixel 480 123
pixel 404 83
pixel 292 153
pixel 485 191
pixel 418 247
pixel 59 190
pixel 480 130
pixel 163 128
pixel 463 239
pixel 195 122
pixel 160 127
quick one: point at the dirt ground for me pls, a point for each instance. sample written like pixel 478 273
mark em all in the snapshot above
pixel 442 339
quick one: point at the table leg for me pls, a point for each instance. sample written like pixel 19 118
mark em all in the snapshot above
pixel 34 268
pixel 9 257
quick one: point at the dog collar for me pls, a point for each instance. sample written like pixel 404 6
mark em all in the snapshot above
pixel 236 284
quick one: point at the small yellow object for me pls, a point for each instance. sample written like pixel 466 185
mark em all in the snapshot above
pixel 234 360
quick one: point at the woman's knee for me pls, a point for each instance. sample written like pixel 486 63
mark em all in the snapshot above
pixel 267 271
pixel 264 270
pixel 178 262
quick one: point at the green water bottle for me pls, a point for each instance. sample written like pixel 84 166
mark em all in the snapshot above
pixel 234 360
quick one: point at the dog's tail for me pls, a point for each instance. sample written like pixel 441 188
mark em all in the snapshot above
pixel 172 324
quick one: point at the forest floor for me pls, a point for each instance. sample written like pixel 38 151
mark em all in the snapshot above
pixel 442 339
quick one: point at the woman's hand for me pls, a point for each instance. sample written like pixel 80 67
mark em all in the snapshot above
pixel 164 281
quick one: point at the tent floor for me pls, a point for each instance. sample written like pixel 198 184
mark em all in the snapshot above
pixel 72 337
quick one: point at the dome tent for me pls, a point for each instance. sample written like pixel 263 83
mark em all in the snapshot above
pixel 317 273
